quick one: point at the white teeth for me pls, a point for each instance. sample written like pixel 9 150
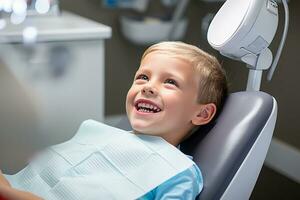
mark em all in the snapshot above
pixel 145 110
pixel 144 107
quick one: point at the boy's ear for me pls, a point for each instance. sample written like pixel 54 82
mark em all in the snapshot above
pixel 205 114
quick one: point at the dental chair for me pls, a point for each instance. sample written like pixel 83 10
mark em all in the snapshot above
pixel 230 151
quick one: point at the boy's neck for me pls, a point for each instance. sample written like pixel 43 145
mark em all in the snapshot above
pixel 173 141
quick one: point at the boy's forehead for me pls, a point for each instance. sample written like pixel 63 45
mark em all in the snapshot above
pixel 163 55
pixel 162 58
pixel 178 68
pixel 165 61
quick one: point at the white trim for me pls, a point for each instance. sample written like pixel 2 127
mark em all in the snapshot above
pixel 243 182
pixel 284 159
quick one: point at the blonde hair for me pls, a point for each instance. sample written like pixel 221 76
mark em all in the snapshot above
pixel 213 82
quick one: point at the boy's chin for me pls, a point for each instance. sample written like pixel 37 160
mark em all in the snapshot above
pixel 138 124
pixel 138 128
pixel 145 127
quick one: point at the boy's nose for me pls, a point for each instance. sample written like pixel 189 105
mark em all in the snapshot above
pixel 149 91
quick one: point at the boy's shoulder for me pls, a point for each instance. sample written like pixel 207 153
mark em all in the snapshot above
pixel 185 185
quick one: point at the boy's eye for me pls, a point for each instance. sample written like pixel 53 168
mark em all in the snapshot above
pixel 142 77
pixel 172 82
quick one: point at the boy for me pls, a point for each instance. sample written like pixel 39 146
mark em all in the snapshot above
pixel 176 88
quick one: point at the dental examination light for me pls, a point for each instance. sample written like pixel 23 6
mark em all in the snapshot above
pixel 243 30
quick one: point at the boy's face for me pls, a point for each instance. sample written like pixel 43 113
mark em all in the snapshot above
pixel 163 97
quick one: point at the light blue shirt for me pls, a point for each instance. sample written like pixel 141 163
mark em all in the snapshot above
pixel 185 185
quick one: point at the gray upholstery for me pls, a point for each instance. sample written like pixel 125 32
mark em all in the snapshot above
pixel 220 148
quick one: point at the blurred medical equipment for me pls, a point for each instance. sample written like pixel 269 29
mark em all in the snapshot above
pixel 149 30
pixel 243 30
pixel 18 10
pixel 103 157
pixel 60 59
pixel 231 152
pixel 138 5
pixel 42 7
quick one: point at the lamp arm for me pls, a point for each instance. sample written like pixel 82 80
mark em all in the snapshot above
pixel 282 42
pixel 263 62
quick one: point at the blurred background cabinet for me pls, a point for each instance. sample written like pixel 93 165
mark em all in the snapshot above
pixel 49 86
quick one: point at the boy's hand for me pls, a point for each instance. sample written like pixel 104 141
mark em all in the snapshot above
pixel 3 181
pixel 9 193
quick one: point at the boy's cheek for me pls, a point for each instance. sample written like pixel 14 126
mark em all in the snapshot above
pixel 130 94
pixel 129 98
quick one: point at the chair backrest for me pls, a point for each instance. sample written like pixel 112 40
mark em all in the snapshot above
pixel 221 148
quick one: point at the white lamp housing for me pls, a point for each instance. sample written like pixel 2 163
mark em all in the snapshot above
pixel 244 29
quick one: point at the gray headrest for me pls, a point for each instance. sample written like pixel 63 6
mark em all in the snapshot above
pixel 220 147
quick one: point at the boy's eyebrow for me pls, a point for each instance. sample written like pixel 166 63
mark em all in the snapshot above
pixel 141 70
pixel 178 76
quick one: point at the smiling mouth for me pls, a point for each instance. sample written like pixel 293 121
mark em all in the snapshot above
pixel 146 107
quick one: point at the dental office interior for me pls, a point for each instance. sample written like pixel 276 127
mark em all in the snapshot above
pixel 65 61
